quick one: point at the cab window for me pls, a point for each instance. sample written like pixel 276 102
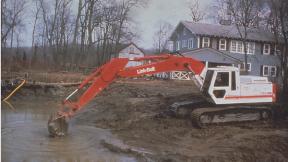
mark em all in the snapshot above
pixel 222 79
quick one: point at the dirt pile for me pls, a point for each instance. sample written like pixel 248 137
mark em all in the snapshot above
pixel 129 107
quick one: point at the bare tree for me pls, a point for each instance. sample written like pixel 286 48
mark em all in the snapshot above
pixel 12 12
pixel 56 28
pixel 244 14
pixel 161 36
pixel 36 17
pixel 195 12
pixel 277 22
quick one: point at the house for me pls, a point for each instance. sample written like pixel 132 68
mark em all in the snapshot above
pixel 130 51
pixel 221 45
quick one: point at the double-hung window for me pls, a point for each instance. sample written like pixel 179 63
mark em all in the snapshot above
pixel 236 46
pixel 184 43
pixel 190 43
pixel 233 46
pixel 177 45
pixel 250 46
pixel 242 67
pixel 205 42
pixel 222 44
pixel 266 49
pixel 269 70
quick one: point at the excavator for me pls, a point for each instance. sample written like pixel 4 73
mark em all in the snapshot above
pixel 228 96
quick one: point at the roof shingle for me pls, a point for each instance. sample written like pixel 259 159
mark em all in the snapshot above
pixel 228 31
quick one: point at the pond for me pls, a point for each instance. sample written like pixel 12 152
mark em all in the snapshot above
pixel 25 136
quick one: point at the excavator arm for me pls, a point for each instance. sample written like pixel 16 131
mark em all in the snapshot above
pixel 106 74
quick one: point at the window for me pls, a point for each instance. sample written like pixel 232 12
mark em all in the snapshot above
pixel 269 71
pixel 273 71
pixel 277 50
pixel 222 79
pixel 236 46
pixel 205 42
pixel 250 47
pixel 131 50
pixel 190 43
pixel 177 45
pixel 265 70
pixel 233 46
pixel 222 44
pixel 184 43
pixel 239 47
pixel 243 65
pixel 233 87
pixel 266 49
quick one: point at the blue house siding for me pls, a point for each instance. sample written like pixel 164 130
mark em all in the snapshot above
pixel 257 59
pixel 180 36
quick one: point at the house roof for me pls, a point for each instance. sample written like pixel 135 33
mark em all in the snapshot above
pixel 123 46
pixel 202 54
pixel 227 31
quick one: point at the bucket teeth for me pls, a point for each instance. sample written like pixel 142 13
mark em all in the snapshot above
pixel 57 126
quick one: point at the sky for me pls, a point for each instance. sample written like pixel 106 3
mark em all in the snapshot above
pixel 171 11
pixel 146 18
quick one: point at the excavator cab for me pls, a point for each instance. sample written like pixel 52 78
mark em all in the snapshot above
pixel 225 85
pixel 220 82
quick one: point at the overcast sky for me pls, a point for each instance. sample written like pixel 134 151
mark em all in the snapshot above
pixel 146 18
pixel 171 11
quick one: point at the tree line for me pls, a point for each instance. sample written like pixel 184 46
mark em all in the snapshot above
pixel 62 36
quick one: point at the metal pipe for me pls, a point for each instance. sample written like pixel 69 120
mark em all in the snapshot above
pixel 71 94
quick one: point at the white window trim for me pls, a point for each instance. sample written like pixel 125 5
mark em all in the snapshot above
pixel 269 49
pixel 264 70
pixel 184 43
pixel 237 44
pixel 275 71
pixel 231 47
pixel 253 48
pixel 177 45
pixel 198 40
pixel 242 47
pixel 205 42
pixel 192 45
pixel 248 63
pixel 225 44
pixel 269 71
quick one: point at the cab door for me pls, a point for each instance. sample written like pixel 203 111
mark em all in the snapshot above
pixel 220 86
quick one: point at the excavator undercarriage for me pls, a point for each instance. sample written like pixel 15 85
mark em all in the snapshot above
pixel 202 113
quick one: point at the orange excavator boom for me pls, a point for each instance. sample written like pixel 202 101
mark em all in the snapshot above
pixel 116 68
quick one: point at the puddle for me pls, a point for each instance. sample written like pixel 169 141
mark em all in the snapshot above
pixel 25 137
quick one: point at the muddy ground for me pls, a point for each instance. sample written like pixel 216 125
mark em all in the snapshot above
pixel 127 109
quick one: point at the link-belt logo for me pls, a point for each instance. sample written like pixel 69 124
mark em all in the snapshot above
pixel 146 70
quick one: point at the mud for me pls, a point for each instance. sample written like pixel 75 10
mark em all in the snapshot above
pixel 120 125
pixel 128 108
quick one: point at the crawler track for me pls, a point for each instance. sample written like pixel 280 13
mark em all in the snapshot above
pixel 213 115
pixel 203 114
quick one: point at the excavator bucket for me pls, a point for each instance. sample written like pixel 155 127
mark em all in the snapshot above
pixel 57 126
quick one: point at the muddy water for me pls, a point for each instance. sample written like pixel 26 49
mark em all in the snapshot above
pixel 25 136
